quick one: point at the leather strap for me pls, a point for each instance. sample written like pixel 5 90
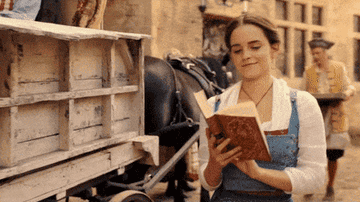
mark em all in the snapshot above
pixel 188 66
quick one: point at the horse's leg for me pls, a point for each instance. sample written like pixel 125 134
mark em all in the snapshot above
pixel 180 171
pixel 204 195
pixel 178 175
pixel 170 190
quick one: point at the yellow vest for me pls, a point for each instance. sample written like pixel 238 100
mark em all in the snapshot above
pixel 339 120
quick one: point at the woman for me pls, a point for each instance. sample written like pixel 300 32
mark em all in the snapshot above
pixel 291 119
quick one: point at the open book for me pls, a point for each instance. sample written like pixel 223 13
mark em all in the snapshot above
pixel 241 124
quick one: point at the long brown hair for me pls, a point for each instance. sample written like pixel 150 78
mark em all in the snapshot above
pixel 269 29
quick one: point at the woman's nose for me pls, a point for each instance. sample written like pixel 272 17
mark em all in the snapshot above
pixel 246 54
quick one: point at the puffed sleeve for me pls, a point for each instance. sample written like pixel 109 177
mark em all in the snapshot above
pixel 204 152
pixel 310 172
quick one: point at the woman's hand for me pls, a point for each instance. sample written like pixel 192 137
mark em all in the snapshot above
pixel 218 158
pixel 249 167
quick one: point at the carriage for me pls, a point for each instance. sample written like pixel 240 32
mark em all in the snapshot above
pixel 72 113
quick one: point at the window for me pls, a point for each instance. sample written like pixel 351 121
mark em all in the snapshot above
pixel 299 15
pixel 281 59
pixel 357 59
pixel 316 35
pixel 309 24
pixel 299 52
pixel 281 10
pixel 316 15
pixel 213 36
pixel 356 23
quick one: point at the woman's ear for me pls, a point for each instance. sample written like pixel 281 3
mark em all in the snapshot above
pixel 275 50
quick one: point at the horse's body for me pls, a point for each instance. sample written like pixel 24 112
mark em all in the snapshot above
pixel 161 103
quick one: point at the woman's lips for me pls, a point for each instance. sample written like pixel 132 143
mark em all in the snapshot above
pixel 248 64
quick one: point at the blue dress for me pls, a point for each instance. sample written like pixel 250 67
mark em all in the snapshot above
pixel 284 151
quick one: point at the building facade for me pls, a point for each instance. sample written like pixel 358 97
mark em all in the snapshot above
pixel 196 27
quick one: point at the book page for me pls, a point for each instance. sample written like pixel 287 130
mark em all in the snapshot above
pixel 202 102
pixel 247 109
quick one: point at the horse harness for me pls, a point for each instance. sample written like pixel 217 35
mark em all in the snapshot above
pixel 180 121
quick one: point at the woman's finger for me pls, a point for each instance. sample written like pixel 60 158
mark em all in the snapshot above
pixel 223 144
pixel 211 139
pixel 233 158
pixel 233 152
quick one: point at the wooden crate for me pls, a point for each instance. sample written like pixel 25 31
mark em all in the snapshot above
pixel 66 91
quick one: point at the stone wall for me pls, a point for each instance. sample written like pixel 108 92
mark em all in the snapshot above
pixel 179 24
pixel 172 24
pixel 134 16
pixel 176 24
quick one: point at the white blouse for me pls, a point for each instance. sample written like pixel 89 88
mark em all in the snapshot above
pixel 309 174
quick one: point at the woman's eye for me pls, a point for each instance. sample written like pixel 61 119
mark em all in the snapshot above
pixel 256 47
pixel 237 51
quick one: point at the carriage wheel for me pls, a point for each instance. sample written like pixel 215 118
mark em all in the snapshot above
pixel 131 196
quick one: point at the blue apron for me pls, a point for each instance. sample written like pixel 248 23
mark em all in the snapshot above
pixel 284 150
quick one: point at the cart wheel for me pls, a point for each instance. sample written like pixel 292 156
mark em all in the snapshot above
pixel 131 196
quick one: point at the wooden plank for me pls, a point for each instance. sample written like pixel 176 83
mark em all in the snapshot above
pixel 31 186
pixel 87 62
pixel 87 112
pixel 39 58
pixel 86 135
pixel 69 58
pixel 55 180
pixel 37 147
pixel 126 116
pixel 125 72
pixel 125 154
pixel 57 156
pixel 66 127
pixel 109 65
pixel 14 54
pixel 30 88
pixel 8 122
pixel 137 50
pixel 37 68
pixel 37 121
pixel 87 84
pixel 108 116
pixel 31 99
pixel 108 82
pixel 5 61
pixel 63 32
pixel 122 161
pixel 146 143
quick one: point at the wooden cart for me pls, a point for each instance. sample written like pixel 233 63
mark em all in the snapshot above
pixel 71 109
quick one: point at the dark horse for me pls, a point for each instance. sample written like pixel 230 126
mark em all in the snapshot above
pixel 162 80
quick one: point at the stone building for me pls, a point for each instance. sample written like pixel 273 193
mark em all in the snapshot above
pixel 180 24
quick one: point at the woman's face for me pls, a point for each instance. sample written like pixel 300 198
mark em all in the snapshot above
pixel 251 52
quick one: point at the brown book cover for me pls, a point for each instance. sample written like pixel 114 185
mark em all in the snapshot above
pixel 240 123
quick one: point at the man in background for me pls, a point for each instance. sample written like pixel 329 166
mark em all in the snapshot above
pixel 329 76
